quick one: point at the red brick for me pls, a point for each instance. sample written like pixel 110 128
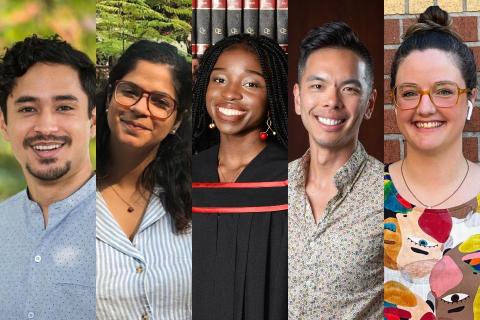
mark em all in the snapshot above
pixel 392 151
pixel 474 124
pixel 389 122
pixel 466 27
pixel 470 148
pixel 386 92
pixel 387 60
pixel 391 31
pixel 476 53
pixel 407 23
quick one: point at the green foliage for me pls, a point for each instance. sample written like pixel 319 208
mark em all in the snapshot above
pixel 122 22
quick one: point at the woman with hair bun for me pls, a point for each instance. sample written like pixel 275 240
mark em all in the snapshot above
pixel 239 175
pixel 432 196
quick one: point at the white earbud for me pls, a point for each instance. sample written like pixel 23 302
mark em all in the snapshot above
pixel 470 110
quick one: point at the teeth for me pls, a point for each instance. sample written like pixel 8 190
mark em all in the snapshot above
pixel 329 122
pixel 230 112
pixel 47 147
pixel 428 125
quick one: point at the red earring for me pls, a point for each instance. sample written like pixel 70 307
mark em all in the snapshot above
pixel 264 134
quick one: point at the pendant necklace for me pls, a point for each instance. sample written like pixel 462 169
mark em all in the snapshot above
pixel 130 207
pixel 451 195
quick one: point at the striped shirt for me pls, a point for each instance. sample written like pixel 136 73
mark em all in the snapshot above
pixel 147 278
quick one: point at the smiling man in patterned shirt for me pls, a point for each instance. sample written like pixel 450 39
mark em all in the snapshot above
pixel 335 190
pixel 47 232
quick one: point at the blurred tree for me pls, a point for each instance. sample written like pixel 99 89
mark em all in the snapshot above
pixel 122 22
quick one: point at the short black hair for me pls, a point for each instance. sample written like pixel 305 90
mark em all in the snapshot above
pixel 32 50
pixel 273 61
pixel 334 35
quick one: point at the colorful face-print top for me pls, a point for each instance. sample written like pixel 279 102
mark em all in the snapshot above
pixel 431 259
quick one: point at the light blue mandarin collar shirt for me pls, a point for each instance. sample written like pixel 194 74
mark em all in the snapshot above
pixel 48 273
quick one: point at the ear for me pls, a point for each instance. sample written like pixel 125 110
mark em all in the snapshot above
pixel 93 123
pixel 370 104
pixel 3 127
pixel 473 96
pixel 296 98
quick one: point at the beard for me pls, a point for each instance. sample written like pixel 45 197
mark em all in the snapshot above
pixel 49 174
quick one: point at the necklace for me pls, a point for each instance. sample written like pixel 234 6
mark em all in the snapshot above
pixel 451 195
pixel 130 207
pixel 222 176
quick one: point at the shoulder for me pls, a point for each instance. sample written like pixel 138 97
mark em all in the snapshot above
pixel 13 202
pixel 271 164
pixel 204 163
pixel 10 209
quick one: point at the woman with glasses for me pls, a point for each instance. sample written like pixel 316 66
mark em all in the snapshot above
pixel 143 200
pixel 432 195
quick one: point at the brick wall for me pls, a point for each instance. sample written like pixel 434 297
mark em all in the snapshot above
pixel 399 14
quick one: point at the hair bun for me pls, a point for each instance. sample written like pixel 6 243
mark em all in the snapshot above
pixel 433 19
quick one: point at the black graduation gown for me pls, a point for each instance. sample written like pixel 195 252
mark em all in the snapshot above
pixel 239 260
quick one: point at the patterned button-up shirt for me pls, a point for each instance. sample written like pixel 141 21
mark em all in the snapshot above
pixel 336 265
pixel 48 273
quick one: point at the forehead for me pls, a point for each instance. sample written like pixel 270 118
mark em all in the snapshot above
pixel 238 57
pixel 44 81
pixel 335 63
pixel 427 67
pixel 152 77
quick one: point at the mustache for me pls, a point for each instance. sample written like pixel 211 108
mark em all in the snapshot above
pixel 27 142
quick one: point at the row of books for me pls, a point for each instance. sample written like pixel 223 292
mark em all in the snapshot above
pixel 212 20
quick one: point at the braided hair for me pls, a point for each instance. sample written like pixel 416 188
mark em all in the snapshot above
pixel 275 71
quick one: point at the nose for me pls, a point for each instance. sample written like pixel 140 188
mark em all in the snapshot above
pixel 141 107
pixel 425 105
pixel 231 91
pixel 332 98
pixel 46 123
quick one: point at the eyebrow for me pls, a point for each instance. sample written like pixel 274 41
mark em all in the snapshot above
pixel 248 70
pixel 66 97
pixel 348 81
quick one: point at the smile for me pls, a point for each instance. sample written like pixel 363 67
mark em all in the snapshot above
pixel 230 112
pixel 330 122
pixel 47 147
pixel 428 124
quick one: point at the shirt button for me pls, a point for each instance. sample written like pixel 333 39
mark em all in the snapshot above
pixel 30 315
pixel 37 259
pixel 145 316
pixel 139 269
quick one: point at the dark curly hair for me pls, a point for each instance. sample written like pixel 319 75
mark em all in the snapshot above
pixel 433 30
pixel 275 71
pixel 171 168
pixel 32 50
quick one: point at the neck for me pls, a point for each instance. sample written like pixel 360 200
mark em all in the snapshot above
pixel 45 193
pixel 125 171
pixel 436 167
pixel 236 151
pixel 325 162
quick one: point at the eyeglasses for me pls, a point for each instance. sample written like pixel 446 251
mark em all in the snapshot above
pixel 443 94
pixel 160 104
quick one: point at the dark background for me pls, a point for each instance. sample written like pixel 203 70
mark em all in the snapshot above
pixel 366 20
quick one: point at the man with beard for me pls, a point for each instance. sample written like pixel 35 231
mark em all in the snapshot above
pixel 47 232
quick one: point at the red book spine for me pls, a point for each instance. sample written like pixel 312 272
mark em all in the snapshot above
pixel 218 20
pixel 194 29
pixel 204 33
pixel 250 16
pixel 266 19
pixel 234 17
pixel 282 24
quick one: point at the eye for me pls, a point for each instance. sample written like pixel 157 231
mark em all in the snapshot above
pixel 65 108
pixel 218 80
pixel 26 109
pixel 455 297
pixel 444 92
pixel 351 90
pixel 409 93
pixel 316 86
pixel 251 84
pixel 423 242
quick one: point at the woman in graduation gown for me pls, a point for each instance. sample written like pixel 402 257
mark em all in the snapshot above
pixel 239 179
